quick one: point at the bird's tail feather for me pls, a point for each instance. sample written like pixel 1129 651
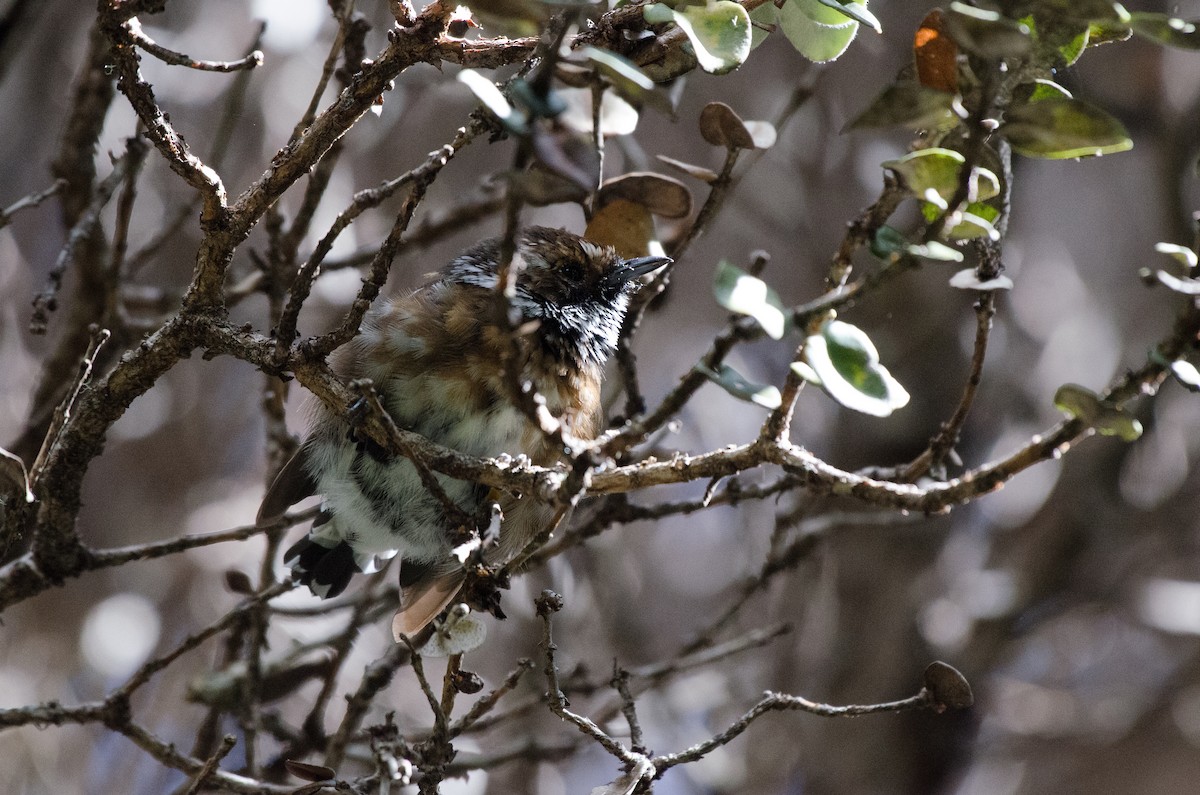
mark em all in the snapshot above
pixel 325 570
pixel 421 602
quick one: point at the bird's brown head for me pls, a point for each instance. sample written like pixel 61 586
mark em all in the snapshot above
pixel 576 290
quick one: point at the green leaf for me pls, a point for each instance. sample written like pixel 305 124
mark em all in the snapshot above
pixel 1181 254
pixel 1060 128
pixel 908 104
pixel 817 31
pixel 626 79
pixel 889 243
pixel 977 220
pixel 933 169
pixel 1085 405
pixel 1165 29
pixel 748 295
pixel 1107 31
pixel 537 103
pixel 847 365
pixel 765 15
pixel 1038 90
pixel 987 33
pixel 1086 10
pixel 736 384
pixel 1078 401
pixel 719 32
pixel 967 279
pixel 1073 48
pixel 936 171
pixel 856 11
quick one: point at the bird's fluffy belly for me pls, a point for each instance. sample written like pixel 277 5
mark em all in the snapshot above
pixel 382 507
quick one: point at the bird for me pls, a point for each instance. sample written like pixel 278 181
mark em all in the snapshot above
pixel 437 357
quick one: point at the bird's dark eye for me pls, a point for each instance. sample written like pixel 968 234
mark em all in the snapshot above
pixel 572 271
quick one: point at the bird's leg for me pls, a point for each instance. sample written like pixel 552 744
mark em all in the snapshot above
pixel 357 413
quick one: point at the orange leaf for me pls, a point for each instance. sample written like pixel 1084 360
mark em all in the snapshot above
pixel 936 54
pixel 624 225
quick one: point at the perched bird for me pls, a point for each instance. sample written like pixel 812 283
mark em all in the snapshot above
pixel 436 358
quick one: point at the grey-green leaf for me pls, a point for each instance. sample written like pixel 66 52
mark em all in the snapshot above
pixel 1085 405
pixel 719 32
pixel 847 364
pixel 817 31
pixel 1078 401
pixel 737 385
pixel 987 33
pixel 748 295
pixel 856 11
pixel 908 104
pixel 1057 128
pixel 493 99
pixel 1166 30
pixel 889 243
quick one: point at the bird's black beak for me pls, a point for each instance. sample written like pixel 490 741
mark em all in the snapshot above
pixel 631 269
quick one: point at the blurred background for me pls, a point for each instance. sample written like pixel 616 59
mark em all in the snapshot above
pixel 1070 599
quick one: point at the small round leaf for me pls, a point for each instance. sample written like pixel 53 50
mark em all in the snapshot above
pixel 818 32
pixel 847 363
pixel 947 687
pixel 748 295
pixel 661 195
pixel 721 126
pixel 719 32
pixel 736 384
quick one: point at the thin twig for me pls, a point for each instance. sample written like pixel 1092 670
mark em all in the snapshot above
pixel 210 765
pixel 117 556
pixel 776 702
pixel 149 669
pixel 549 603
pixel 422 177
pixel 30 201
pixel 620 683
pixel 46 301
pixel 62 413
pixel 487 703
pixel 174 58
pixel 231 113
pixel 377 676
pixel 342 14
pixel 362 201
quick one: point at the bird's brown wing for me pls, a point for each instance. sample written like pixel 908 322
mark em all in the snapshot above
pixel 292 484
pixel 421 602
